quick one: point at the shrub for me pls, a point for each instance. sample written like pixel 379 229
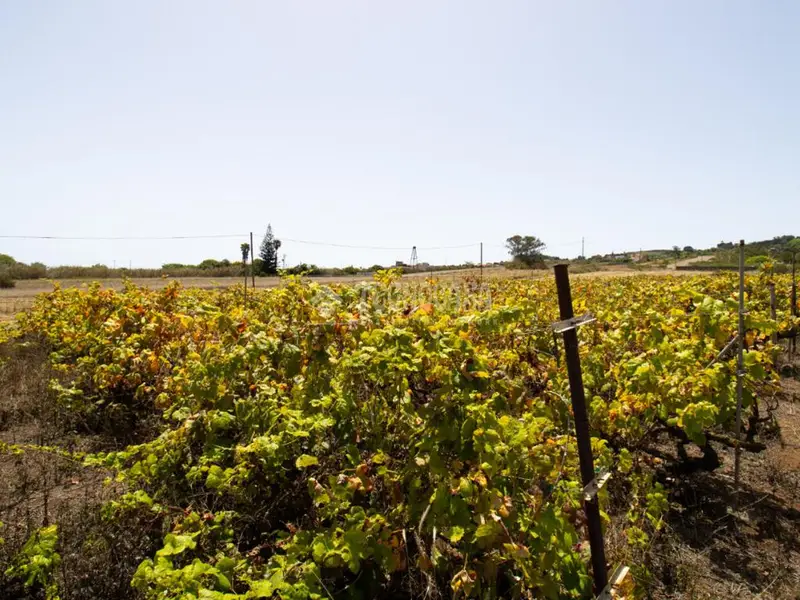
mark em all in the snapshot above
pixel 781 268
pixel 210 263
pixel 757 261
pixel 6 281
pixel 302 269
pixel 520 264
pixel 584 267
pixel 32 271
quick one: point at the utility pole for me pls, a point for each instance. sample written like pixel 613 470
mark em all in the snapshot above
pixel 481 263
pixel 583 247
pixel 252 262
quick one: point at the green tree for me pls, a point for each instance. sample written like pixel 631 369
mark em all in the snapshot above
pixel 793 246
pixel 269 253
pixel 790 251
pixel 526 250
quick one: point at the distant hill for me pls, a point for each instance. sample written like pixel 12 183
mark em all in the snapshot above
pixel 724 254
pixel 727 253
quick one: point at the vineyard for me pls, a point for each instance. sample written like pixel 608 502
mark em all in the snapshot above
pixel 381 440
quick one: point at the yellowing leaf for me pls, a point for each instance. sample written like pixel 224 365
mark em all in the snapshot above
pixel 456 533
pixel 305 460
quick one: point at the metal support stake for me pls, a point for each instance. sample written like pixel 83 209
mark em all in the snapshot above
pixel 792 344
pixel 739 378
pixel 772 311
pixel 794 287
pixel 591 507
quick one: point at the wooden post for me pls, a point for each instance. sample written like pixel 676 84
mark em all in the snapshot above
pixel 739 378
pixel 591 506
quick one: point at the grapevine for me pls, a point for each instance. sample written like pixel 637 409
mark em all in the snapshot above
pixel 389 436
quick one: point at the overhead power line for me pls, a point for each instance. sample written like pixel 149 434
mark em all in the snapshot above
pixel 283 239
pixel 231 235
pixel 334 245
pixel 107 238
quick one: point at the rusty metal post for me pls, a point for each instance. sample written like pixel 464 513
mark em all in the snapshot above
pixel 739 378
pixel 773 311
pixel 793 342
pixel 591 506
pixel 794 287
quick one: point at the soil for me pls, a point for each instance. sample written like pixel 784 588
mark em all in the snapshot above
pixel 720 544
pixel 34 484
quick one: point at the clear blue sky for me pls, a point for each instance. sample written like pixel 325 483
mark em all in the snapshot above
pixel 632 123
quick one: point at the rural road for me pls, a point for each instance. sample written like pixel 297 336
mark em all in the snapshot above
pixel 690 261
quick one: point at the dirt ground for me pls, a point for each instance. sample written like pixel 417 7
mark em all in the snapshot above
pixel 709 549
pixel 690 261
